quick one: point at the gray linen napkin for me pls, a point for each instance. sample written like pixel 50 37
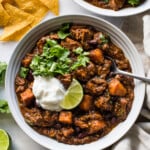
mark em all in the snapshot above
pixel 138 138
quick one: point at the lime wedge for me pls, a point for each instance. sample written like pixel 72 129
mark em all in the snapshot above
pixel 4 140
pixel 73 96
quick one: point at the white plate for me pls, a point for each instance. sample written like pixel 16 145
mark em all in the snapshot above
pixel 120 13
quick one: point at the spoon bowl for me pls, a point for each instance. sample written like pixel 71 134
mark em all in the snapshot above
pixel 116 70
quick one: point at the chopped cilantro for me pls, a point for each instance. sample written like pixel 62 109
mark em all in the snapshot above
pixel 55 60
pixel 106 1
pixel 134 2
pixel 4 108
pixel 50 43
pixel 103 39
pixel 64 31
pixel 78 50
pixel 3 67
pixel 82 58
pixel 23 72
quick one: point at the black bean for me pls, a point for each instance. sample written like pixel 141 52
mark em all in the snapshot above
pixel 93 42
pixel 113 120
pixel 77 129
pixel 30 76
pixel 58 126
pixel 82 135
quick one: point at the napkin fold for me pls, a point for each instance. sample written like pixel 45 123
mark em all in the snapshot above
pixel 138 137
pixel 146 31
pixel 146 42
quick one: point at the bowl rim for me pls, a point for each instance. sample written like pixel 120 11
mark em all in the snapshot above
pixel 111 13
pixel 16 112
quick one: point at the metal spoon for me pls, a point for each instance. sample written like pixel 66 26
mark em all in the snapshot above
pixel 116 70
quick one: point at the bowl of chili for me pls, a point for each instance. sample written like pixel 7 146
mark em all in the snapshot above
pixel 115 8
pixel 109 104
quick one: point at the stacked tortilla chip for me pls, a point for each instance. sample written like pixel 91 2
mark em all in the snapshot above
pixel 19 16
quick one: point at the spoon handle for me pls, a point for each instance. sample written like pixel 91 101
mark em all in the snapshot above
pixel 145 79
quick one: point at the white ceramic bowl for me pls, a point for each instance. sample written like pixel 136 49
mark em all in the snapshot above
pixel 27 44
pixel 120 13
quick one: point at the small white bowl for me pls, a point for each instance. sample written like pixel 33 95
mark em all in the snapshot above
pixel 120 13
pixel 27 44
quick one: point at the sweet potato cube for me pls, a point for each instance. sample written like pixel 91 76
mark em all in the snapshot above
pixel 96 56
pixel 27 97
pixel 26 60
pixel 65 117
pixel 67 131
pixel 116 4
pixel 96 125
pixel 116 88
pixel 86 103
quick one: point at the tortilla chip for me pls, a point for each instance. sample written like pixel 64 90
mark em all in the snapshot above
pixel 18 21
pixel 52 5
pixel 22 15
pixel 19 34
pixel 34 7
pixel 4 17
pixel 7 1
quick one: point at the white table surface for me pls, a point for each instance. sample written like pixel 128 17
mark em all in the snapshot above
pixel 19 140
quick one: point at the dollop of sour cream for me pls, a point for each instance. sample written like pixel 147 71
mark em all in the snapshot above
pixel 49 92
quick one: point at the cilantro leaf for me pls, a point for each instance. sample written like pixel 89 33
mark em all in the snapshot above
pixel 4 108
pixel 64 31
pixel 82 58
pixel 106 1
pixel 62 35
pixel 23 72
pixel 65 27
pixel 133 2
pixel 81 61
pixel 50 43
pixel 103 39
pixel 3 67
pixel 78 50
